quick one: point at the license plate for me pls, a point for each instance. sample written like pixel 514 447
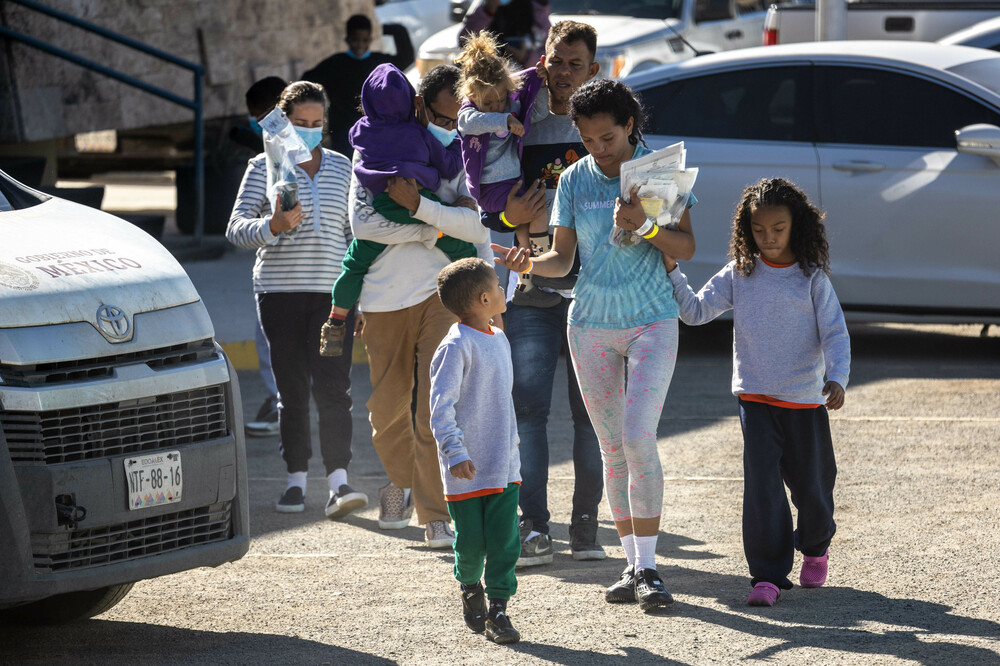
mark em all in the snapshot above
pixel 153 479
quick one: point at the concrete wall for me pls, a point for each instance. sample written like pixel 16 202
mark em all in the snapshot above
pixel 238 41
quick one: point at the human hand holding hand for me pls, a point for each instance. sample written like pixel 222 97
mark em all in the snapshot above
pixel 514 125
pixel 834 393
pixel 629 216
pixel 669 262
pixel 464 470
pixel 404 191
pixel 285 220
pixel 517 259
pixel 524 208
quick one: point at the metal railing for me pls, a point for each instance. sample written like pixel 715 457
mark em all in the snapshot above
pixel 195 104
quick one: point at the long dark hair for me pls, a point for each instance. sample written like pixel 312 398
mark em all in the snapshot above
pixel 808 239
pixel 614 98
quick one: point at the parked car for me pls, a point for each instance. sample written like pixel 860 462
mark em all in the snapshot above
pixel 898 142
pixel 421 18
pixel 983 35
pixel 794 21
pixel 633 35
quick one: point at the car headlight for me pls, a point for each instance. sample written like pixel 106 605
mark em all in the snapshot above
pixel 612 64
pixel 425 65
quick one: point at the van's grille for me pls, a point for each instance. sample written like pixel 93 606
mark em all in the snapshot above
pixel 144 537
pixel 42 374
pixel 116 428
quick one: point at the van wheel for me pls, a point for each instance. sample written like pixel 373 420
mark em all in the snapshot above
pixel 69 607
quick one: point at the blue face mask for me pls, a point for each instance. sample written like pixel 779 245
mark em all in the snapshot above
pixel 504 3
pixel 310 135
pixel 255 126
pixel 365 54
pixel 441 134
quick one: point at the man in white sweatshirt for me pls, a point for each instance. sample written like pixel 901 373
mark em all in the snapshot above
pixel 405 321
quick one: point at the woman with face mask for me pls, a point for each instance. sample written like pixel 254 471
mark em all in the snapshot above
pixel 299 255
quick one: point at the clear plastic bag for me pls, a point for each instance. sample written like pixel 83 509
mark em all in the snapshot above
pixel 284 149
pixel 664 198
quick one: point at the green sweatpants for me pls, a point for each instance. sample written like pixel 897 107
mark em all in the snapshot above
pixel 361 253
pixel 486 531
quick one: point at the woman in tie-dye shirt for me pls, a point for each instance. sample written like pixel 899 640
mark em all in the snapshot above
pixel 623 320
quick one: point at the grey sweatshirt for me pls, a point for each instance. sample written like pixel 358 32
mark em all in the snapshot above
pixel 789 335
pixel 472 411
pixel 502 161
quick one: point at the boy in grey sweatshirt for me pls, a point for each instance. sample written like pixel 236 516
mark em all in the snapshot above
pixel 472 418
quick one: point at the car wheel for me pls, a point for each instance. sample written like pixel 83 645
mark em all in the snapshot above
pixel 69 607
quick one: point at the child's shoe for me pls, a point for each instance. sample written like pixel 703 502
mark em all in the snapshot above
pixel 763 594
pixel 813 572
pixel 650 591
pixel 331 339
pixel 622 592
pixel 498 627
pixel 474 607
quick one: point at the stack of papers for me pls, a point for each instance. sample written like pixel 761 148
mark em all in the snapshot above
pixel 664 186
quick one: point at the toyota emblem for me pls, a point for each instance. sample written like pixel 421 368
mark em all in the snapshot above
pixel 113 322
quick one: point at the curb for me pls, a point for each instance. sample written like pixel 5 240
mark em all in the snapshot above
pixel 243 354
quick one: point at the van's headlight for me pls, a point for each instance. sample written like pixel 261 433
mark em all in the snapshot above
pixel 613 65
pixel 425 65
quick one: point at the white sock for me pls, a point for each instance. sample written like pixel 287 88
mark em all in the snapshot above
pixel 531 535
pixel 337 478
pixel 628 543
pixel 297 479
pixel 645 552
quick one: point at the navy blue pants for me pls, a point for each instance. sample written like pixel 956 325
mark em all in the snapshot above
pixel 792 447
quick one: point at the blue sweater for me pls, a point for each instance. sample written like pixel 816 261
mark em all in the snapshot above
pixel 789 335
pixel 472 411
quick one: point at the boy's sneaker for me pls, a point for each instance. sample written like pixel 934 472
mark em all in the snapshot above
pixel 537 550
pixel 499 629
pixel 474 607
pixel 763 594
pixel 266 422
pixel 813 572
pixel 583 539
pixel 344 501
pixel 533 297
pixel 331 339
pixel 438 534
pixel 394 507
pixel 293 500
pixel 622 592
pixel 650 591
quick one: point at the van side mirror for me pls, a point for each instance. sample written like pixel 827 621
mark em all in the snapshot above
pixel 979 139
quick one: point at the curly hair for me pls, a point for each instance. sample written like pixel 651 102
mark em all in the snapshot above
pixel 808 236
pixel 483 68
pixel 614 98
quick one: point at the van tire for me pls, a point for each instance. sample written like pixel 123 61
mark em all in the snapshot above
pixel 65 608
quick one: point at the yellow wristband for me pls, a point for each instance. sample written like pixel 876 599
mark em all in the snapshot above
pixel 503 218
pixel 530 266
pixel 656 230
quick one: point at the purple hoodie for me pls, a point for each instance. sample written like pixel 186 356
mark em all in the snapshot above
pixel 390 140
pixel 474 147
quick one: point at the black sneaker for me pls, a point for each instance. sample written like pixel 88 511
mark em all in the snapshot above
pixel 622 592
pixel 534 298
pixel 293 500
pixel 474 608
pixel 499 629
pixel 344 501
pixel 583 539
pixel 650 591
pixel 266 422
pixel 537 550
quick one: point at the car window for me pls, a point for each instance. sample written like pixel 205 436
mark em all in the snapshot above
pixel 879 107
pixel 762 104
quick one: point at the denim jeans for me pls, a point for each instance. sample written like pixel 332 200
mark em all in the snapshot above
pixel 536 337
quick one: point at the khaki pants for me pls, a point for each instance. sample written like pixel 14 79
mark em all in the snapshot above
pixel 395 342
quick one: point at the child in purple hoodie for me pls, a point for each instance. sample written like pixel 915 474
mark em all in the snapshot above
pixel 390 142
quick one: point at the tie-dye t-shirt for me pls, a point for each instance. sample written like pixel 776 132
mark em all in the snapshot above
pixel 618 287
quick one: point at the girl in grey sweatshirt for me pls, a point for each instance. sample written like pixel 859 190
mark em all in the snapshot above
pixel 791 361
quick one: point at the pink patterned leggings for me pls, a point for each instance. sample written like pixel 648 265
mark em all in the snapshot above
pixel 626 409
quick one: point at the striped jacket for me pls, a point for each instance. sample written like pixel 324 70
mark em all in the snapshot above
pixel 307 259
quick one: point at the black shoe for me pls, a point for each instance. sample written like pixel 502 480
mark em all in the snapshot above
pixel 266 423
pixel 650 591
pixel 499 629
pixel 535 298
pixel 583 539
pixel 622 592
pixel 293 500
pixel 474 608
pixel 344 501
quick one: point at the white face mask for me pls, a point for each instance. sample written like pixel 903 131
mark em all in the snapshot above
pixel 445 137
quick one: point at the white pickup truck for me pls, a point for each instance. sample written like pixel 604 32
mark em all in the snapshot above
pixel 633 35
pixel 916 20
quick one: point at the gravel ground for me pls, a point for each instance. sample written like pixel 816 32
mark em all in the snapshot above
pixel 913 573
